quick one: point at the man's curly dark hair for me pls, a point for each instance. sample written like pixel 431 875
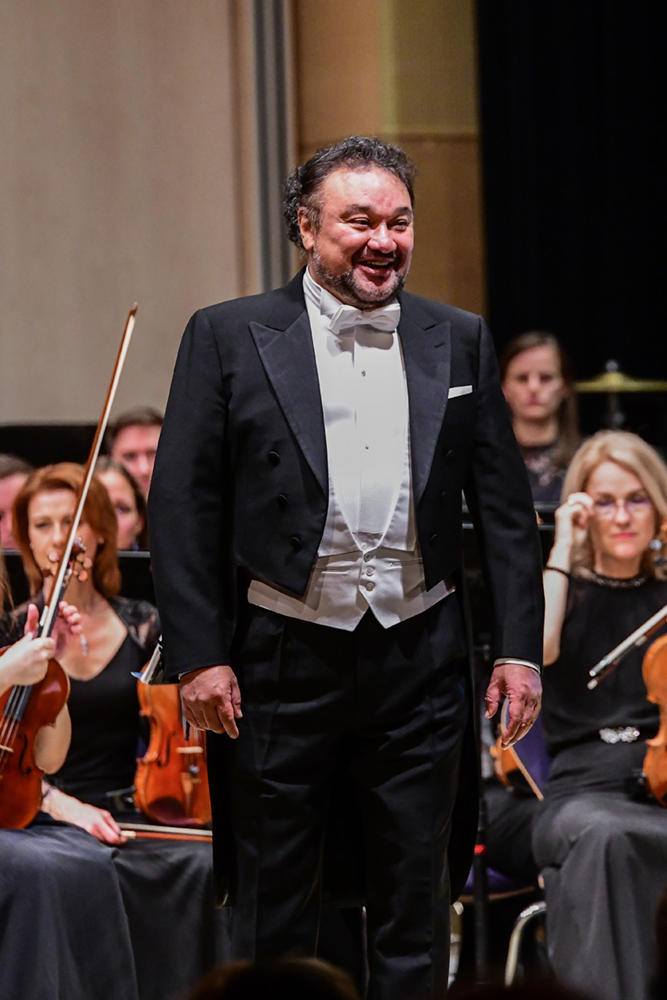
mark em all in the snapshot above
pixel 358 152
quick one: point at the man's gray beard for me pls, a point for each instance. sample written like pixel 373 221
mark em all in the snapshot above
pixel 347 283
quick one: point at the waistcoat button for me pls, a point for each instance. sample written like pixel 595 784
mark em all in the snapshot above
pixel 433 540
pixel 274 458
pixel 281 500
pixel 295 542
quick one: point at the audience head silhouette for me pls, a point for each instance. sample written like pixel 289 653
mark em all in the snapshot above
pixel 281 979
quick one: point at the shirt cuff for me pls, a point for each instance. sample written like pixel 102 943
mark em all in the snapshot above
pixel 520 663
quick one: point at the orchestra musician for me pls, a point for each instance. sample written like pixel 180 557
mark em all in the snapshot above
pixel 145 884
pixel 538 383
pixel 128 500
pixel 13 473
pixel 59 890
pixel 603 854
pixel 132 441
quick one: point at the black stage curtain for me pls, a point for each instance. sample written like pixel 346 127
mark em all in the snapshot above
pixel 573 98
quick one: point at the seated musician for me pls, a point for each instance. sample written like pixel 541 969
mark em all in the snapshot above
pixel 164 894
pixel 603 854
pixel 132 441
pixel 538 384
pixel 64 930
pixel 13 473
pixel 128 501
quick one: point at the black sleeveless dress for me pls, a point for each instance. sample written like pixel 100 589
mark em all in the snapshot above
pixel 135 922
pixel 603 855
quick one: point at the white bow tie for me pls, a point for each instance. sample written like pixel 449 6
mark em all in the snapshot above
pixel 349 317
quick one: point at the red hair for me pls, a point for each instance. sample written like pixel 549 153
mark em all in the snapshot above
pixel 98 512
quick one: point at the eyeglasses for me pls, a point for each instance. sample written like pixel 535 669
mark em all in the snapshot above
pixel 632 505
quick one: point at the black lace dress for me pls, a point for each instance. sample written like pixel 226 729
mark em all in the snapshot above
pixel 544 475
pixel 603 855
pixel 135 922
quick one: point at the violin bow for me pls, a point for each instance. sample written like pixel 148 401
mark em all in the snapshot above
pixel 636 638
pixel 61 578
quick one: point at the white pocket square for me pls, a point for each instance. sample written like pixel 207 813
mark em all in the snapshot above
pixel 459 390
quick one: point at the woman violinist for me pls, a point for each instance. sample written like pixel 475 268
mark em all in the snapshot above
pixel 58 887
pixel 602 853
pixel 166 887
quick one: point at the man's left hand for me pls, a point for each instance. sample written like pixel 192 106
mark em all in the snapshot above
pixel 523 688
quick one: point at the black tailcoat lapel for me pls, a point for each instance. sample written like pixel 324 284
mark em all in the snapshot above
pixel 286 351
pixel 427 349
pixel 289 362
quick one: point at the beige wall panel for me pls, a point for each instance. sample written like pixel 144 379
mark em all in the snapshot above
pixel 338 72
pixel 118 183
pixel 448 258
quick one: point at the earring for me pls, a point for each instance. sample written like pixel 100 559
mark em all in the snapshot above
pixel 656 545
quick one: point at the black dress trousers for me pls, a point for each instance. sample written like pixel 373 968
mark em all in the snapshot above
pixel 391 706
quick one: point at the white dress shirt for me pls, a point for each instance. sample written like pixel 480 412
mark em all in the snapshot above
pixel 368 556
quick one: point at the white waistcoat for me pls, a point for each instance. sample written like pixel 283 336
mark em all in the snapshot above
pixel 368 555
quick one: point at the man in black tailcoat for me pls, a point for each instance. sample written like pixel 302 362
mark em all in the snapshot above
pixel 305 519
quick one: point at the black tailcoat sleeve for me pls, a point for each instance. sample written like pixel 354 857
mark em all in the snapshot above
pixel 500 502
pixel 188 507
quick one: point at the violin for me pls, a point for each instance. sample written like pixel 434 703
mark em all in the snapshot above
pixel 172 778
pixel 654 671
pixel 26 709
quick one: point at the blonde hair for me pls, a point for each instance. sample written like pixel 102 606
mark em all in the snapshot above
pixel 634 455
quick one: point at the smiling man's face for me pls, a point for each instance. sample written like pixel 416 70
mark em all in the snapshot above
pixel 362 247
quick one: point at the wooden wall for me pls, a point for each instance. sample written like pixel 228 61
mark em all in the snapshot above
pixel 407 72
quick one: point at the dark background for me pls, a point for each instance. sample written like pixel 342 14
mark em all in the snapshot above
pixel 573 98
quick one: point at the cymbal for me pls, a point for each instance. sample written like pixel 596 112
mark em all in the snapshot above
pixel 613 380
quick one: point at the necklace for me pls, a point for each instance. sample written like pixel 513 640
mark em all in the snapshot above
pixel 616 583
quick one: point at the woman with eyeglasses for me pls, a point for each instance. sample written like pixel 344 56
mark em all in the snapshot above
pixel 603 852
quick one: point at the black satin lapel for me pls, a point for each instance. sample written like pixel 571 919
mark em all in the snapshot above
pixel 427 355
pixel 289 362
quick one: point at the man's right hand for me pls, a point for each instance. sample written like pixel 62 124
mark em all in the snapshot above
pixel 212 700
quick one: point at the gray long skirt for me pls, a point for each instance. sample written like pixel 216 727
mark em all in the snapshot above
pixel 604 862
pixel 63 930
pixel 83 921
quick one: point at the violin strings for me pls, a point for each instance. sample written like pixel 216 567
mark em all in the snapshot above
pixel 7 734
pixel 9 713
pixel 12 715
